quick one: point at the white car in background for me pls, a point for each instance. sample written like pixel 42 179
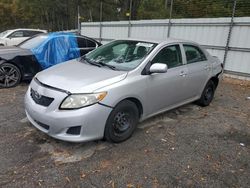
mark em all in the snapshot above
pixel 16 36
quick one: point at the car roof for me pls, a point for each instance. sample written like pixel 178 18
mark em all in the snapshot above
pixel 27 29
pixel 161 41
pixel 60 34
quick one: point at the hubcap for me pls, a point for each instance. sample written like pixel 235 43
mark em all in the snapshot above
pixel 208 94
pixel 121 122
pixel 9 76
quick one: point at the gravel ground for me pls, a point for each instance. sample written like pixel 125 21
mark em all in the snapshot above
pixel 186 147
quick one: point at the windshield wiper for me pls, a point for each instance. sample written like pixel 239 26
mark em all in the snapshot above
pixel 90 62
pixel 97 63
pixel 107 65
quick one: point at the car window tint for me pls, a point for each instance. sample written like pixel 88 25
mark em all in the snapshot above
pixel 26 34
pixel 170 55
pixel 90 44
pixel 32 33
pixel 37 32
pixel 29 33
pixel 82 43
pixel 193 54
pixel 17 34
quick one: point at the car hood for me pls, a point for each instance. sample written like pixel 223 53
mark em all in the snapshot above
pixel 9 52
pixel 78 77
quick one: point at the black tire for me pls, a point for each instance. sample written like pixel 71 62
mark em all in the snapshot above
pixel 207 94
pixel 121 122
pixel 10 75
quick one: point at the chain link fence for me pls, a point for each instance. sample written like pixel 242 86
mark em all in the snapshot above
pixel 118 10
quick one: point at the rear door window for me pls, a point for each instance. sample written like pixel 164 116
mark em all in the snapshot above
pixel 26 34
pixel 85 43
pixel 90 44
pixel 194 54
pixel 32 33
pixel 82 43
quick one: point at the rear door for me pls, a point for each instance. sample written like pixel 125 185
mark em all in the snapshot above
pixel 198 69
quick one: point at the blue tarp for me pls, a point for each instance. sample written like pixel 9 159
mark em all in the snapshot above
pixel 57 48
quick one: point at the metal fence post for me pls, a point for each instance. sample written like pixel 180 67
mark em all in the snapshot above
pixel 100 26
pixel 170 17
pixel 130 16
pixel 229 33
pixel 78 20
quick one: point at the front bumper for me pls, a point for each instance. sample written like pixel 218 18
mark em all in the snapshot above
pixel 2 42
pixel 56 123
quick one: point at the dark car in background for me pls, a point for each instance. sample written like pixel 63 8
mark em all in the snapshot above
pixel 22 62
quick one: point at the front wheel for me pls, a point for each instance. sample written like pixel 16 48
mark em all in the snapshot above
pixel 121 122
pixel 10 75
pixel 207 94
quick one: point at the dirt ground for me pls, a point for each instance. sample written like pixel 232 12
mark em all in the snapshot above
pixel 186 147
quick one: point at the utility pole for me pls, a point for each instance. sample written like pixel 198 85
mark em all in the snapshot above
pixel 229 33
pixel 130 17
pixel 130 10
pixel 100 27
pixel 170 17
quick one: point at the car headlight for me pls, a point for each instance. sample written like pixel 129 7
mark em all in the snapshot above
pixel 76 101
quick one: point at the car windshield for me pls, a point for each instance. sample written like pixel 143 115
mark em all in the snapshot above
pixel 120 55
pixel 33 42
pixel 4 33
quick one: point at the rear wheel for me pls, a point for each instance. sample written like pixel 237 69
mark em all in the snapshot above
pixel 10 75
pixel 207 94
pixel 121 122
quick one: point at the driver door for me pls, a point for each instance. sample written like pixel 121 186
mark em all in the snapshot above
pixel 166 90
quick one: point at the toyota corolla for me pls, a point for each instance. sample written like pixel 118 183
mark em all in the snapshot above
pixel 107 92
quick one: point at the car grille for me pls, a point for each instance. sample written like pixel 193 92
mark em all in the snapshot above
pixel 40 99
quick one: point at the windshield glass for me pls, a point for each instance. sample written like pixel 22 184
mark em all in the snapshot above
pixel 4 33
pixel 121 55
pixel 33 42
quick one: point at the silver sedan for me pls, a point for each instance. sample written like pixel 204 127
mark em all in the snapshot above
pixel 105 93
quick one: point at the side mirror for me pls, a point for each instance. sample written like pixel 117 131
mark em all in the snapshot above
pixel 158 68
